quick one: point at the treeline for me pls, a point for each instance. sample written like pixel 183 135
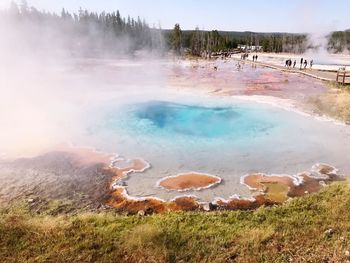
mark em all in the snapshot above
pixel 204 43
pixel 89 34
pixel 339 41
pixel 84 31
pixel 335 42
pixel 199 42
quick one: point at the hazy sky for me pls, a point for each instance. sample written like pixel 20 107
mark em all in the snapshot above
pixel 235 15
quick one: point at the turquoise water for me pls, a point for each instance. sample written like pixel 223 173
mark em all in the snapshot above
pixel 171 121
pixel 202 121
pixel 228 140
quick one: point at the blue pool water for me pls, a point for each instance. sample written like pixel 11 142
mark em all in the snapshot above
pixel 171 122
pixel 198 121
pixel 228 140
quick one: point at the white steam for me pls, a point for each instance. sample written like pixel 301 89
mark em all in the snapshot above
pixel 46 90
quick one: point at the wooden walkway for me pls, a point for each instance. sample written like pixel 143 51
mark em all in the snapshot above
pixel 314 73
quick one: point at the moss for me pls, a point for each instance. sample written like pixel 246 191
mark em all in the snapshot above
pixel 294 231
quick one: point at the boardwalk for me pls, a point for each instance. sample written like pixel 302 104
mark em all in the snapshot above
pixel 314 73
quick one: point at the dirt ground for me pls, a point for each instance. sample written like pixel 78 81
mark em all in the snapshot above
pixel 54 176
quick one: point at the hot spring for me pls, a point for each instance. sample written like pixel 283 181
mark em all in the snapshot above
pixel 224 138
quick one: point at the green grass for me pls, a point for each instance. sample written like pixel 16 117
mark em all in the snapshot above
pixel 294 231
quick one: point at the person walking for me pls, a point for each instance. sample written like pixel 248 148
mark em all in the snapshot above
pixel 305 64
pixel 301 62
pixel 294 63
pixel 311 63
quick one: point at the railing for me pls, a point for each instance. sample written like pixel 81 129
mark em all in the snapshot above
pixel 342 74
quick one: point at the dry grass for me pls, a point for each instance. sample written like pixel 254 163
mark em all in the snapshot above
pixel 294 231
pixel 335 103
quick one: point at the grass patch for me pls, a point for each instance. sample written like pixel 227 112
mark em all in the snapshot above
pixel 335 103
pixel 295 231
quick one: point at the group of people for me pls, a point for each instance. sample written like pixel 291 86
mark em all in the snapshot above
pixel 289 63
pixel 303 63
pixel 244 56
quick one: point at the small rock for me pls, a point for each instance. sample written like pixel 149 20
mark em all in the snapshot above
pixel 212 206
pixel 30 200
pixel 306 192
pixel 206 207
pixel 141 213
pixel 347 253
pixel 329 232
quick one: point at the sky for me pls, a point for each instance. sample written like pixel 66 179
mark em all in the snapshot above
pixel 297 16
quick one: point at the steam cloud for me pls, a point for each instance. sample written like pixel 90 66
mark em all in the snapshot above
pixel 50 78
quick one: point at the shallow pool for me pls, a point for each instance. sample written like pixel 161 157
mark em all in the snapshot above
pixel 228 140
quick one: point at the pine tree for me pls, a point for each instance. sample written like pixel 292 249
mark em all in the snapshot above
pixel 176 39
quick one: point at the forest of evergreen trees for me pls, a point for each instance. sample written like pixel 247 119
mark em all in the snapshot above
pixel 85 33
pixel 89 33
pixel 203 43
pixel 339 41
